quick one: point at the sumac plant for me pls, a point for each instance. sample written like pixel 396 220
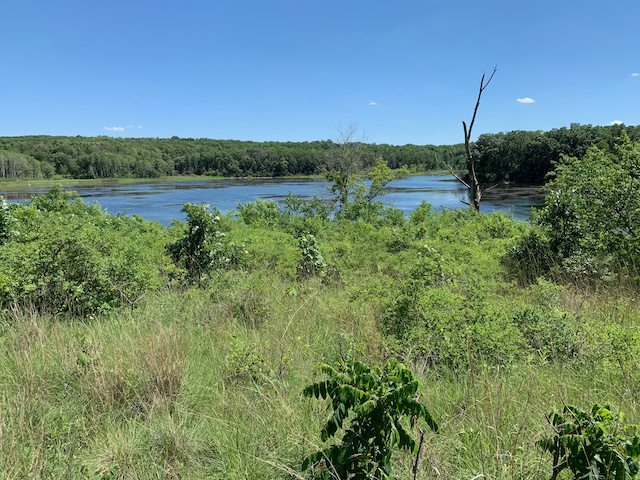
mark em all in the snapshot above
pixel 373 402
pixel 204 249
pixel 594 445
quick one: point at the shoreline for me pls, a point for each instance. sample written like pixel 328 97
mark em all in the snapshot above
pixel 69 183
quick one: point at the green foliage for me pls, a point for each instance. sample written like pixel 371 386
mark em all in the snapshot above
pixel 66 256
pixel 6 221
pixel 107 157
pixel 353 198
pixel 244 361
pixel 527 157
pixel 591 216
pixel 373 401
pixel 204 249
pixel 312 263
pixel 531 257
pixel 15 165
pixel 260 213
pixel 594 445
pixel 598 199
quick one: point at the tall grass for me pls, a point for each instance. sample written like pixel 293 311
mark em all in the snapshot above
pixel 206 383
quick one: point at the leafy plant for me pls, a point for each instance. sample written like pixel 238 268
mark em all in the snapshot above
pixel 592 214
pixel 204 249
pixel 312 263
pixel 65 256
pixel 594 445
pixel 375 401
pixel 6 221
pixel 264 213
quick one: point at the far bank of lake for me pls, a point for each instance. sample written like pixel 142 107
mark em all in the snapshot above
pixel 162 201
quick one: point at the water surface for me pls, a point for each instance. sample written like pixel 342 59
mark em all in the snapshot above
pixel 162 201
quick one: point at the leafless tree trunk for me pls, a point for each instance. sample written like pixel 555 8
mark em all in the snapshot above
pixel 475 190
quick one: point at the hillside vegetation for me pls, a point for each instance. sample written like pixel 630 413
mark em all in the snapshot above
pixel 129 350
pixel 518 156
pixel 33 157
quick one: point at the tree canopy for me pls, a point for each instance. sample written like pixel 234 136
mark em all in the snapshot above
pixel 107 157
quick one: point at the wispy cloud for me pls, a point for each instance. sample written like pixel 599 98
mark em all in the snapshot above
pixel 616 122
pixel 525 100
pixel 373 103
pixel 635 74
pixel 120 129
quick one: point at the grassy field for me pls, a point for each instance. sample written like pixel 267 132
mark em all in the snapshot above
pixel 205 381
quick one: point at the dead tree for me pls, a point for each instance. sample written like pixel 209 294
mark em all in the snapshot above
pixel 475 189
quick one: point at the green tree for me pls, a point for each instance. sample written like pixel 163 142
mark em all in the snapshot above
pixel 593 209
pixel 343 166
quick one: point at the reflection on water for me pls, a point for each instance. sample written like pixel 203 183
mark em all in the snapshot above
pixel 163 201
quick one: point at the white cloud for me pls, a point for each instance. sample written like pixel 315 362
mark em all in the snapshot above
pixel 120 129
pixel 525 100
pixel 616 122
pixel 635 74
pixel 373 103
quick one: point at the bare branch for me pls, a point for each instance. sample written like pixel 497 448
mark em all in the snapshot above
pixel 475 190
pixel 459 178
pixel 483 85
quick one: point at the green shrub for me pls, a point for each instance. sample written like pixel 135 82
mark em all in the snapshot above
pixel 260 213
pixel 66 256
pixel 590 218
pixel 373 403
pixel 204 249
pixel 594 445
pixel 312 263
pixel 6 221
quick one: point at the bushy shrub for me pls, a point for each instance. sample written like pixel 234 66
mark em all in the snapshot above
pixel 445 325
pixel 6 221
pixel 259 213
pixel 66 256
pixel 204 249
pixel 312 263
pixel 591 217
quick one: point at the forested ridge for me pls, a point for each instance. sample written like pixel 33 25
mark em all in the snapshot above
pixel 517 156
pixel 108 157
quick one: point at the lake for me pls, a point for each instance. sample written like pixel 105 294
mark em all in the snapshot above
pixel 162 201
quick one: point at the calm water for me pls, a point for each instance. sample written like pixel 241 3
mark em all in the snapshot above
pixel 163 201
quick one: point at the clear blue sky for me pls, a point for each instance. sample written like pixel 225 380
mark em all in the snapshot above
pixel 404 71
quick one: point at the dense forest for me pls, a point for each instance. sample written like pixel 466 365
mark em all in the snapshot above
pixel 518 156
pixel 527 157
pixel 108 157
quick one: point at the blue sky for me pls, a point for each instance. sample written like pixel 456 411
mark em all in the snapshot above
pixel 404 71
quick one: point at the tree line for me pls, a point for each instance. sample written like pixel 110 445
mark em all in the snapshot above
pixel 527 157
pixel 107 157
pixel 517 156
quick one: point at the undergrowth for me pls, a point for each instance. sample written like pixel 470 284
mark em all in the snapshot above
pixel 170 379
